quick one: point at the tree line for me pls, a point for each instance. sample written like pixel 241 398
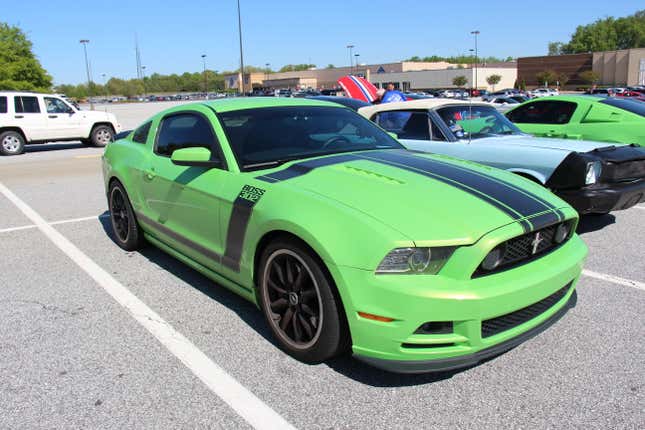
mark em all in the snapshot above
pixel 608 34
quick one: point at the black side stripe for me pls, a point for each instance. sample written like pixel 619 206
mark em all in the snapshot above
pixel 508 211
pixel 509 196
pixel 179 238
pixel 299 169
pixel 237 224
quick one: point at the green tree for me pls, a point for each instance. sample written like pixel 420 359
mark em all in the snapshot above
pixel 555 48
pixel 563 78
pixel 606 34
pixel 296 67
pixel 330 66
pixel 589 76
pixel 546 77
pixel 493 80
pixel 459 81
pixel 19 67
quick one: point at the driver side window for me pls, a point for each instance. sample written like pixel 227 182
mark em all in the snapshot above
pixel 185 130
pixel 55 105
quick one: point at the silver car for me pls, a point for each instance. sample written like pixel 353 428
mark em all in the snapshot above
pixel 593 177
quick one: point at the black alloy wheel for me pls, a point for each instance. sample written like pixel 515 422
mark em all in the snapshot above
pixel 124 224
pixel 299 304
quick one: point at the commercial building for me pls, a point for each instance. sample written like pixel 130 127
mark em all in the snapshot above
pixel 614 68
pixel 327 78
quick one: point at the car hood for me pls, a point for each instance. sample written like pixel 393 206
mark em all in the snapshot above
pixel 567 145
pixel 433 200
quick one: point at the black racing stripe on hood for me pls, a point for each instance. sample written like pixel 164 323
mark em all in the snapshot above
pixel 526 226
pixel 518 200
pixel 304 167
pixel 544 220
pixel 559 213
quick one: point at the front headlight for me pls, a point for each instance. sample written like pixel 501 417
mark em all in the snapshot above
pixel 415 260
pixel 593 172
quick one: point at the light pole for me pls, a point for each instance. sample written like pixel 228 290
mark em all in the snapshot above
pixel 84 42
pixel 105 86
pixel 266 73
pixel 205 78
pixel 356 57
pixel 239 26
pixel 143 78
pixel 351 58
pixel 476 33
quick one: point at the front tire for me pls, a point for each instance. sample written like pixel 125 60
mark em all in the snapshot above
pixel 101 135
pixel 11 143
pixel 299 304
pixel 127 233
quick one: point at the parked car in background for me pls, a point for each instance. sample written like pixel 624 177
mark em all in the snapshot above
pixel 600 92
pixel 544 92
pixel 611 119
pixel 346 241
pixel 353 104
pixel 591 176
pixel 27 118
pixel 630 93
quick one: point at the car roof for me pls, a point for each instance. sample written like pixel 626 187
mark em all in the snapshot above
pixel 571 98
pixel 419 104
pixel 241 103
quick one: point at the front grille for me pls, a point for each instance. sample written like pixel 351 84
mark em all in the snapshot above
pixel 502 323
pixel 525 248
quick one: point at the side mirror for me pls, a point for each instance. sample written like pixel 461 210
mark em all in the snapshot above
pixel 394 135
pixel 195 157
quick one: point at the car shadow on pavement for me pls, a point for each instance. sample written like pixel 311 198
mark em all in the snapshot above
pixel 54 147
pixel 591 223
pixel 252 316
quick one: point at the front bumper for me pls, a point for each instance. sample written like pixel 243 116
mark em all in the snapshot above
pixel 468 304
pixel 605 198
pixel 446 364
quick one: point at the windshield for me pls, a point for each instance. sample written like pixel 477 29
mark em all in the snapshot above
pixel 474 122
pixel 265 137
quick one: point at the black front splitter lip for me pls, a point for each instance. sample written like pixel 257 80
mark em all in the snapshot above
pixel 605 198
pixel 453 363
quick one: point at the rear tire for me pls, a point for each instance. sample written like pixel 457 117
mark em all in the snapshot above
pixel 101 135
pixel 299 304
pixel 11 143
pixel 127 233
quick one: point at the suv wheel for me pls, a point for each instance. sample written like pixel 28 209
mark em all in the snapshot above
pixel 11 143
pixel 101 135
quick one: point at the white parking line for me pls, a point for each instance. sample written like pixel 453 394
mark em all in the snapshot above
pixel 614 279
pixel 65 221
pixel 257 413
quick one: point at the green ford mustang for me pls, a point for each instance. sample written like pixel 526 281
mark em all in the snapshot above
pixel 611 119
pixel 341 237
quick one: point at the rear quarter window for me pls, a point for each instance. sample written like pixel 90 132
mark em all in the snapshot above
pixel 3 104
pixel 543 112
pixel 633 106
pixel 140 135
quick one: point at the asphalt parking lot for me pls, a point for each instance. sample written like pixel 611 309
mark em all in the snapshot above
pixel 95 337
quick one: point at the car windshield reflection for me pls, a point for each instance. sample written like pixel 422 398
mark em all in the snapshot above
pixel 476 122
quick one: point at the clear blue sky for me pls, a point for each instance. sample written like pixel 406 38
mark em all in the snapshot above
pixel 173 36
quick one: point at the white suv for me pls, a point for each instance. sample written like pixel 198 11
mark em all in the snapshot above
pixel 39 118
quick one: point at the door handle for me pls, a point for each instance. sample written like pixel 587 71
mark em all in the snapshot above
pixel 53 116
pixel 19 116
